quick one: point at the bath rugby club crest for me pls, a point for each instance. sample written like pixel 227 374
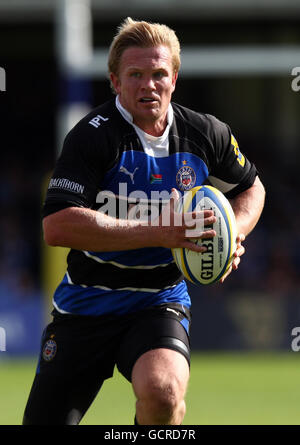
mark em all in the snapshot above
pixel 186 177
pixel 49 350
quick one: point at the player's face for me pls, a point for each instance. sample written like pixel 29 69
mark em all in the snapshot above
pixel 145 84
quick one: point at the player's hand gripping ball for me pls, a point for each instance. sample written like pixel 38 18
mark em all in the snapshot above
pixel 210 266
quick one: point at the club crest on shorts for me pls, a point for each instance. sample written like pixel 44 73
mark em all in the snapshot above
pixel 49 350
pixel 185 178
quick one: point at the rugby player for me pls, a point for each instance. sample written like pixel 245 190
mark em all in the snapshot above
pixel 123 302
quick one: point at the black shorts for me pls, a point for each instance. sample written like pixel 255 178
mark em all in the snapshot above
pixel 79 352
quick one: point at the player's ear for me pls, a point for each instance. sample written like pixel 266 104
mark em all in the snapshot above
pixel 174 79
pixel 115 82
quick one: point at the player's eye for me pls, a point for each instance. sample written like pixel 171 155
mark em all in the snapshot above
pixel 135 74
pixel 158 75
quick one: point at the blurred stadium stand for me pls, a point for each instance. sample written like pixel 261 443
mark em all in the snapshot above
pixel 237 59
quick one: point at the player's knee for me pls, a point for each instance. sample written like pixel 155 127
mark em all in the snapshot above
pixel 163 399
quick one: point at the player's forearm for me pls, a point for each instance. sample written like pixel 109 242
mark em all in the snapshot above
pixel 248 206
pixel 86 229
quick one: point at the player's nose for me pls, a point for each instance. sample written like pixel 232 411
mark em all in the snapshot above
pixel 148 83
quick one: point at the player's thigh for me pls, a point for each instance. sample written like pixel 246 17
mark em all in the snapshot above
pixel 75 358
pixel 57 401
pixel 164 327
pixel 160 372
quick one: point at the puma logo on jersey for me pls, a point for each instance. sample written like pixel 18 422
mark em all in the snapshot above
pixel 131 175
pixel 173 310
pixel 96 121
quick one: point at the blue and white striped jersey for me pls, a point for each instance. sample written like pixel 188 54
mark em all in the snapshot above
pixel 107 163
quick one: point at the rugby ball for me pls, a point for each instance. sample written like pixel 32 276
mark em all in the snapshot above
pixel 210 266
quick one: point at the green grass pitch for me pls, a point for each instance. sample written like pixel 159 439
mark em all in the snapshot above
pixel 224 389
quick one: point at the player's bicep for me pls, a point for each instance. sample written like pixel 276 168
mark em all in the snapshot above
pixel 75 179
pixel 233 172
pixel 68 187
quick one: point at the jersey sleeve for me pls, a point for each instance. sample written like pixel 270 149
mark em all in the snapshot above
pixel 231 171
pixel 78 171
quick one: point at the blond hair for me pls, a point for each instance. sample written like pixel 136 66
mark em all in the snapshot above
pixel 144 35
